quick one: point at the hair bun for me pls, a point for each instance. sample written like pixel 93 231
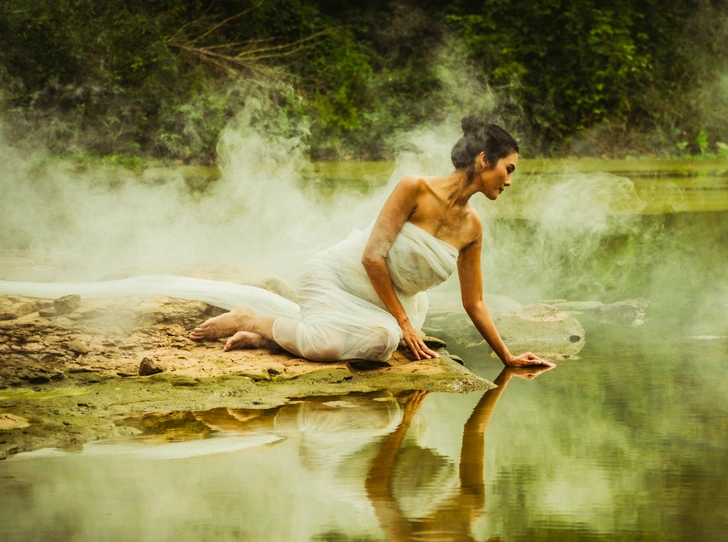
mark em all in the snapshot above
pixel 471 124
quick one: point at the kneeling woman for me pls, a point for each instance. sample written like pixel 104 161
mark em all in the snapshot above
pixel 361 297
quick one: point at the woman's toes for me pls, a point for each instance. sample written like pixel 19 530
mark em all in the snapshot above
pixel 239 340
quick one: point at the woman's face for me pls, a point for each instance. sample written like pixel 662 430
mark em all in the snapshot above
pixel 495 179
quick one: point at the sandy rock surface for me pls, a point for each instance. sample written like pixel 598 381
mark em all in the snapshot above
pixel 67 378
pixel 114 337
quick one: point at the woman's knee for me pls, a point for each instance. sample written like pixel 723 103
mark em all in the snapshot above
pixel 327 343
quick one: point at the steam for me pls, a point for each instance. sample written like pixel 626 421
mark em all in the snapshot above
pixel 113 222
pixel 109 223
pixel 554 234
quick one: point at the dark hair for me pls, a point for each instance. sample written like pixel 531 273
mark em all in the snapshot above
pixel 479 137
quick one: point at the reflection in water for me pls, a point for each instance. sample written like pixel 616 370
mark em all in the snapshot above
pixel 454 516
pixel 625 444
pixel 326 429
pixel 414 490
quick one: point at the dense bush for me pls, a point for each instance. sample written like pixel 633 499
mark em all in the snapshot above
pixel 161 78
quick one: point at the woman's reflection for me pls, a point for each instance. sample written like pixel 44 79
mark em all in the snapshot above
pixel 455 516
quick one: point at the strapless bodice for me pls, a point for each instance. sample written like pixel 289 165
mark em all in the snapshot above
pixel 419 261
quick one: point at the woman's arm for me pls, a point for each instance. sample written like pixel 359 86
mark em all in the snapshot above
pixel 398 208
pixel 379 478
pixel 471 290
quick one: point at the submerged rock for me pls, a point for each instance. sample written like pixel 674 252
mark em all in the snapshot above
pixel 630 313
pixel 624 313
pixel 542 329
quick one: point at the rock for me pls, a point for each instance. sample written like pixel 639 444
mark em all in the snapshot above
pixel 274 368
pixel 11 421
pixel 48 313
pixel 185 314
pixel 147 367
pixel 457 359
pixel 254 373
pixel 576 306
pixel 367 365
pixel 19 309
pixel 67 303
pixel 78 346
pixel 542 329
pixel 174 330
pixel 624 313
pixel 33 347
pixel 433 342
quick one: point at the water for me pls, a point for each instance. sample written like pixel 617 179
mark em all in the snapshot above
pixel 628 442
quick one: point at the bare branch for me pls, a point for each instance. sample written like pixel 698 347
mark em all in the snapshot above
pixel 238 55
pixel 192 22
pixel 211 30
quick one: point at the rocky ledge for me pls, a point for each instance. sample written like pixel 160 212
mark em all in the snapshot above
pixel 71 368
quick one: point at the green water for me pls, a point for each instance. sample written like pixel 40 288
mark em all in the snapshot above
pixel 628 442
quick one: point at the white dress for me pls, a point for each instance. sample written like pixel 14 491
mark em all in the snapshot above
pixel 339 315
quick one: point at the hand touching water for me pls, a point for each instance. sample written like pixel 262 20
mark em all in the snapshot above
pixel 528 360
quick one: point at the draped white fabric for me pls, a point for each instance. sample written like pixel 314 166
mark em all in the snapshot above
pixel 339 316
pixel 342 316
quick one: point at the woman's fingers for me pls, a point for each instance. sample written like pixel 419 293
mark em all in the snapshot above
pixel 426 350
pixel 416 348
pixel 530 360
pixel 414 342
pixel 419 348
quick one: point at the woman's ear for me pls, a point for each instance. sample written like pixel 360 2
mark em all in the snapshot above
pixel 482 161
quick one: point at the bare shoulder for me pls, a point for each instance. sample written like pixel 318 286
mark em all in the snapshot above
pixel 472 227
pixel 414 183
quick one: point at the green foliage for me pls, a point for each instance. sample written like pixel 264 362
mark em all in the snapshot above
pixel 579 63
pixel 585 76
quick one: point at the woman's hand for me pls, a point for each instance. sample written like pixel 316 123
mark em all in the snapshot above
pixel 413 404
pixel 528 360
pixel 414 342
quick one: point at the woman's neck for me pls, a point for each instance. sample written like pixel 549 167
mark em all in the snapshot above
pixel 457 189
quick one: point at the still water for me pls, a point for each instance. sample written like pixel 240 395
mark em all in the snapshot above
pixel 627 442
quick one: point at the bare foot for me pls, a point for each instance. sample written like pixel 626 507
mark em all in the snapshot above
pixel 247 339
pixel 224 325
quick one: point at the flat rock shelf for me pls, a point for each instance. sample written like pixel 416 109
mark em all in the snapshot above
pixel 67 377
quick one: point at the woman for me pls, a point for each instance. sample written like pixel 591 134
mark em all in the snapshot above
pixel 359 298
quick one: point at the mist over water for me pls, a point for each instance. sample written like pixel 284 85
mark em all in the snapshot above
pixel 555 233
pixel 114 221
